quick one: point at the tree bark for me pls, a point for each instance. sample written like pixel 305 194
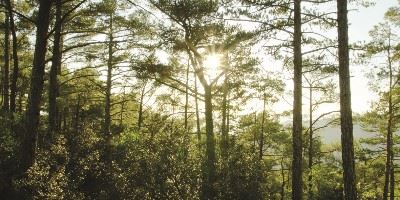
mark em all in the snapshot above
pixel 389 141
pixel 228 105
pixel 13 87
pixel 224 134
pixel 196 101
pixel 210 171
pixel 107 110
pixel 283 181
pixel 6 75
pixel 392 179
pixel 310 148
pixel 187 96
pixel 255 134
pixel 54 69
pixel 346 120
pixel 261 146
pixel 297 178
pixel 140 114
pixel 76 116
pixel 29 142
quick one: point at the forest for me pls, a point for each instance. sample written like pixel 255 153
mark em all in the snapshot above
pixel 199 99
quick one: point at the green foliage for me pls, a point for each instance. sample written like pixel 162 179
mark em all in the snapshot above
pixel 242 175
pixel 157 57
pixel 47 177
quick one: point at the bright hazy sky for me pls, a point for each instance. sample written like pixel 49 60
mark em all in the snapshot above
pixel 361 22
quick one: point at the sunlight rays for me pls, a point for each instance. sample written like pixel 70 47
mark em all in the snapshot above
pixel 212 65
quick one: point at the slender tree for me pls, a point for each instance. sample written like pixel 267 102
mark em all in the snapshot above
pixel 384 43
pixel 261 146
pixel 141 102
pixel 224 129
pixel 187 95
pixel 297 178
pixel 196 102
pixel 389 136
pixel 346 119
pixel 6 68
pixel 110 64
pixel 28 151
pixel 54 69
pixel 15 74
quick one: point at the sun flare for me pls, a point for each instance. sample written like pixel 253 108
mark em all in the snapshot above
pixel 212 63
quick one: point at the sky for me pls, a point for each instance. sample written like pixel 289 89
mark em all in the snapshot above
pixel 361 22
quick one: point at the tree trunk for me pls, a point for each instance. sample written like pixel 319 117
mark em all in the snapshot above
pixel 228 115
pixel 140 114
pixel 255 134
pixel 64 119
pixel 187 97
pixel 20 98
pixel 55 66
pixel 310 148
pixel 76 116
pixel 196 101
pixel 210 171
pixel 261 146
pixel 389 141
pixel 28 145
pixel 392 179
pixel 283 181
pixel 346 120
pixel 107 110
pixel 297 178
pixel 121 114
pixel 6 75
pixel 224 134
pixel 13 87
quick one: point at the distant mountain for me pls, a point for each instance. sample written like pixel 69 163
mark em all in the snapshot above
pixel 332 134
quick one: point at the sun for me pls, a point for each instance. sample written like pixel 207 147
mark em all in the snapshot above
pixel 212 64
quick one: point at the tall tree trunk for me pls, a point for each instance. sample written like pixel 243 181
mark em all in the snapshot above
pixel 210 170
pixel 64 119
pixel 196 102
pixel 121 114
pixel 55 66
pixel 255 134
pixel 390 124
pixel 283 181
pixel 346 120
pixel 310 148
pixel 20 98
pixel 13 87
pixel 187 96
pixel 392 179
pixel 107 110
pixel 29 142
pixel 228 109
pixel 389 141
pixel 224 134
pixel 6 75
pixel 389 172
pixel 261 146
pixel 297 178
pixel 140 114
pixel 76 116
